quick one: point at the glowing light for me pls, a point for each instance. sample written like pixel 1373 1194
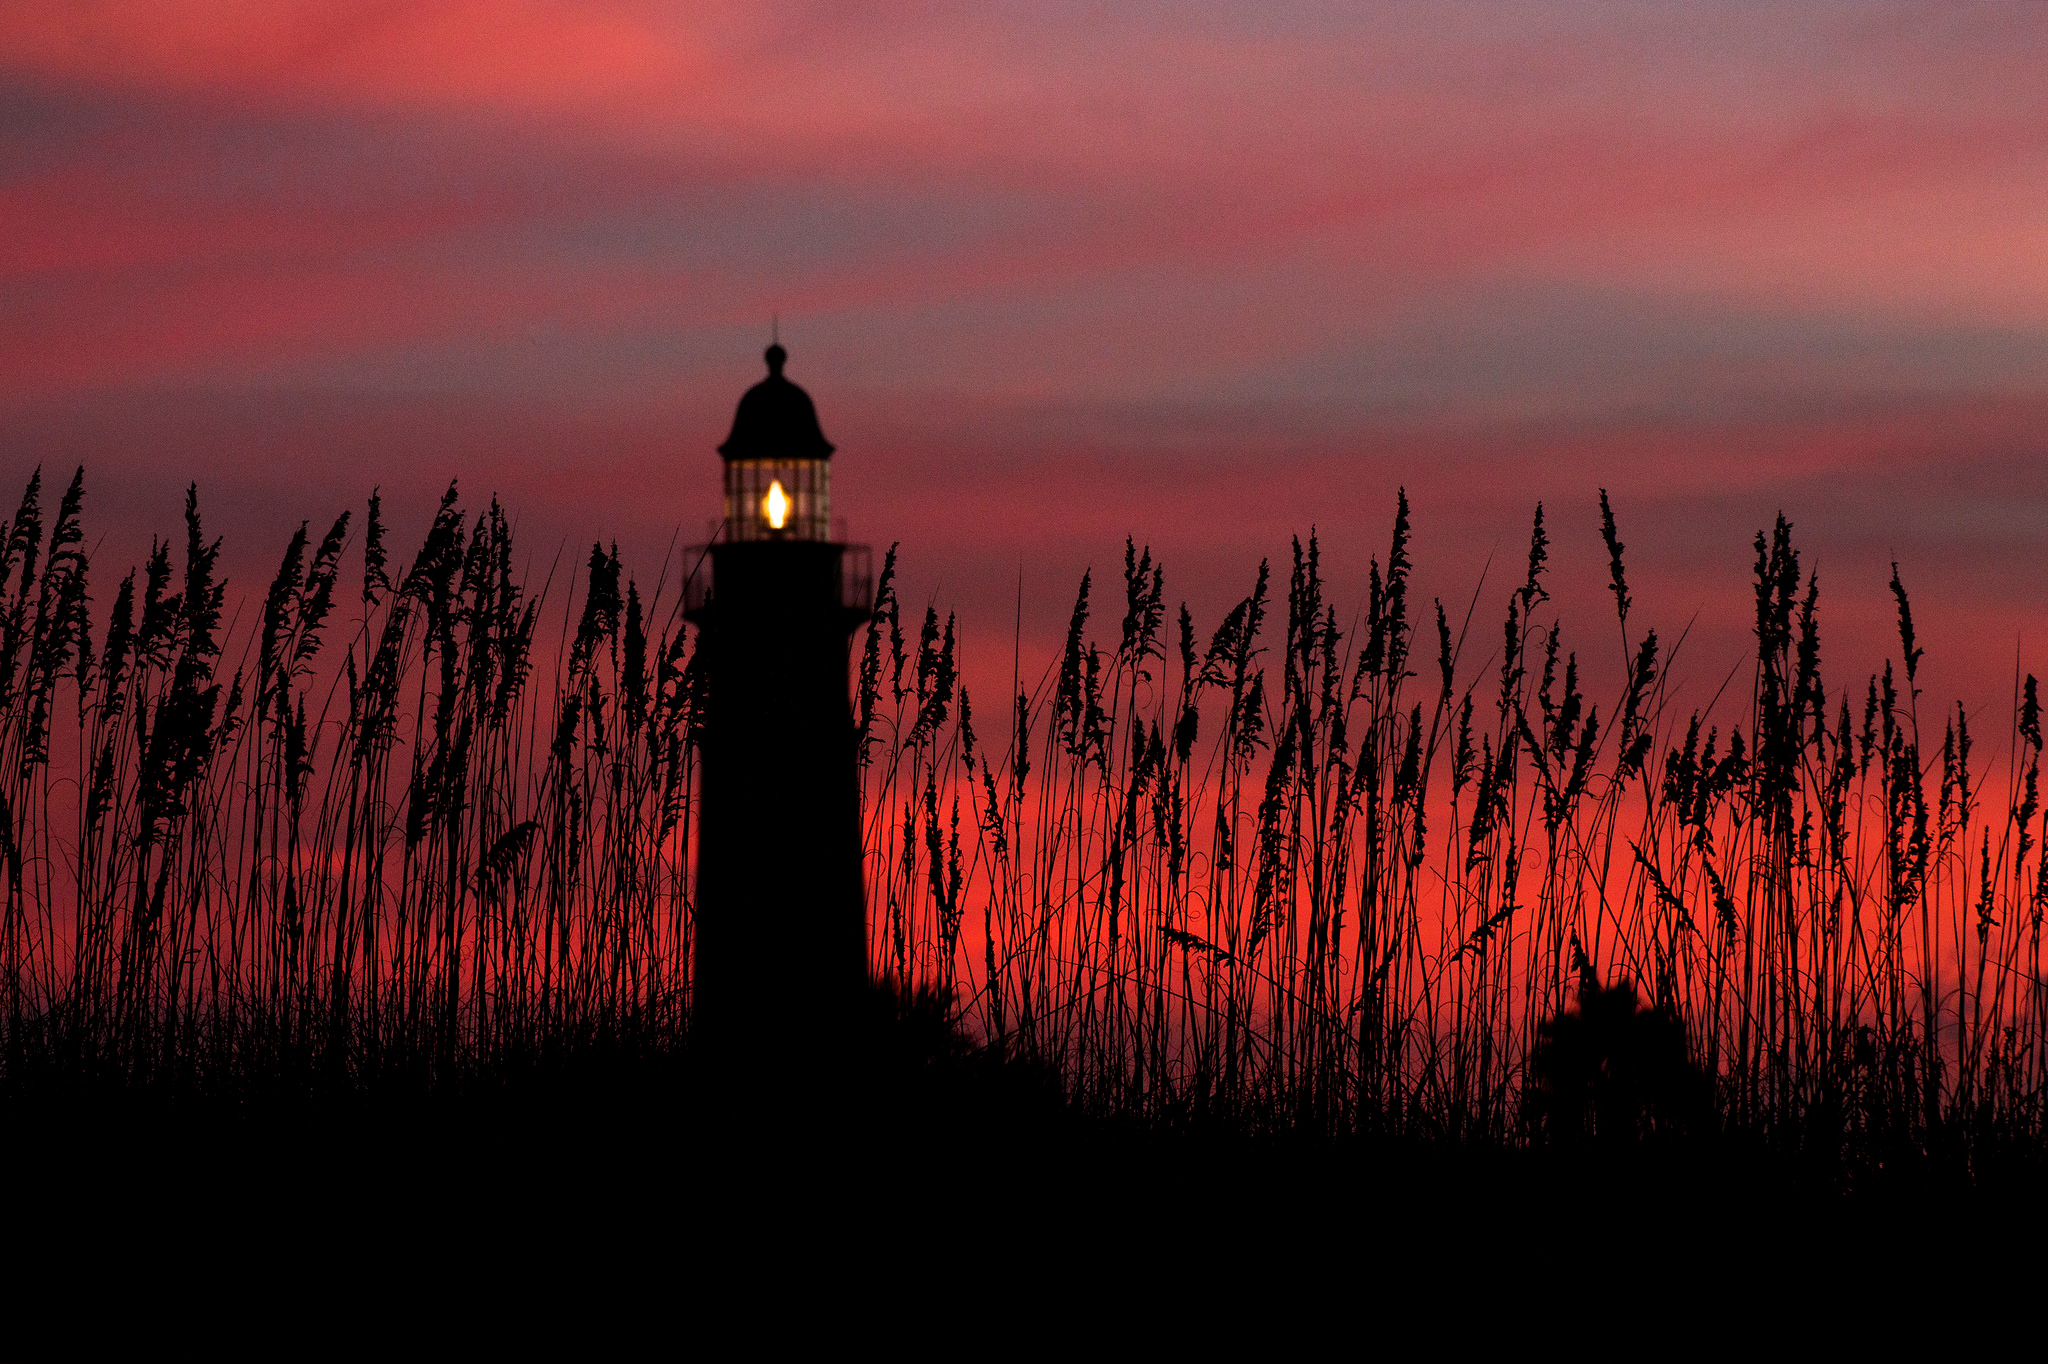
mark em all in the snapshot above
pixel 775 506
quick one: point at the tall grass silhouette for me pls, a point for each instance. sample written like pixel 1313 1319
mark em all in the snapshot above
pixel 407 856
pixel 1274 873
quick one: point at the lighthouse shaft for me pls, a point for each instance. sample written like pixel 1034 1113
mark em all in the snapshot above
pixel 781 931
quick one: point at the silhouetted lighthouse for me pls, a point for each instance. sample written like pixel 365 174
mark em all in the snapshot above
pixel 781 934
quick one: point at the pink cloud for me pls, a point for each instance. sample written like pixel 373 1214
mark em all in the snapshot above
pixel 1254 193
pixel 465 52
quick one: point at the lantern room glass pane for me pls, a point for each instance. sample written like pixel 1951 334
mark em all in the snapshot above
pixel 807 483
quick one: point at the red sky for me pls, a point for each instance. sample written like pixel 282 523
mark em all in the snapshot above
pixel 1206 274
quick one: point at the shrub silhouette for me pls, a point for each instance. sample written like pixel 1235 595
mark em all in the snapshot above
pixel 1615 1072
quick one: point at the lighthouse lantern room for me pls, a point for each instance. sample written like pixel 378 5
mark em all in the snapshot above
pixel 778 464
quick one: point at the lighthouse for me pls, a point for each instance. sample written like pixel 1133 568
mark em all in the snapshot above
pixel 781 937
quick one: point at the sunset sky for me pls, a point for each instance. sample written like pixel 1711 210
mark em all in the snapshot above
pixel 1204 274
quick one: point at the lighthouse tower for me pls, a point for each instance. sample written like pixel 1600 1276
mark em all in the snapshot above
pixel 781 941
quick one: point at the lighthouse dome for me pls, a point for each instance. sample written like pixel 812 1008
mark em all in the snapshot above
pixel 776 420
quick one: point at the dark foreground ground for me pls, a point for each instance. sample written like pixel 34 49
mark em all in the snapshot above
pixel 631 1196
